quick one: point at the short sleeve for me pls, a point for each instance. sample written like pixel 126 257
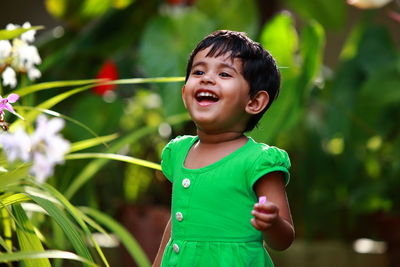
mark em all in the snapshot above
pixel 270 159
pixel 166 160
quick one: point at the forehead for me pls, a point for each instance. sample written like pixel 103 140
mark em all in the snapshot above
pixel 225 58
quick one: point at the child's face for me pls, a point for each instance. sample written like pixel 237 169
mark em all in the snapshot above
pixel 216 93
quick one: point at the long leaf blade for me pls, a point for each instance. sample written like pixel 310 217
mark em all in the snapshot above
pixel 27 238
pixel 77 146
pixel 75 215
pixel 66 225
pixel 50 85
pixel 126 238
pixel 6 200
pixel 50 254
pixel 123 158
pixel 10 34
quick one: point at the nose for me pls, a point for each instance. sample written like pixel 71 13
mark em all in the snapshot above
pixel 208 78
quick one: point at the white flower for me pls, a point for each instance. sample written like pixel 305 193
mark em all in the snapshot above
pixel 21 56
pixel 16 145
pixel 48 146
pixel 41 167
pixel 34 74
pixel 26 56
pixel 5 50
pixel 11 26
pixel 9 77
pixel 368 4
pixel 45 147
pixel 28 36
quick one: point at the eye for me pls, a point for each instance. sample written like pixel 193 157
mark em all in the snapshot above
pixel 225 75
pixel 197 72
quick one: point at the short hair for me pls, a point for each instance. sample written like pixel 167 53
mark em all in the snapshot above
pixel 259 67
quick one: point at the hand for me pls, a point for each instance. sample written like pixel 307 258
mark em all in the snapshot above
pixel 265 215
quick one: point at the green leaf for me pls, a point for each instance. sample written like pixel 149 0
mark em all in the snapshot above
pixel 50 254
pixel 7 229
pixel 27 238
pixel 95 8
pixel 81 145
pixel 57 8
pixel 6 200
pixel 288 109
pixel 311 51
pixel 146 80
pixel 350 47
pixel 15 174
pixel 3 244
pixel 121 4
pixel 280 38
pixel 75 215
pixel 123 158
pixel 50 85
pixel 388 82
pixel 236 15
pixel 7 35
pixel 126 238
pixel 66 225
pixel 376 49
pixel 330 13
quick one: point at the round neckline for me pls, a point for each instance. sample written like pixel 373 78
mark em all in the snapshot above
pixel 215 164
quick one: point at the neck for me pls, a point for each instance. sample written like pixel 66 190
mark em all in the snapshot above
pixel 214 138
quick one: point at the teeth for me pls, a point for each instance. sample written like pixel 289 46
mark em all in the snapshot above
pixel 206 94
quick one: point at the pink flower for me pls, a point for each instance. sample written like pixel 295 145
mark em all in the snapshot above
pixel 5 102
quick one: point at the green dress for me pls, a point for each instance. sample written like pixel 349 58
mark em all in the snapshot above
pixel 211 206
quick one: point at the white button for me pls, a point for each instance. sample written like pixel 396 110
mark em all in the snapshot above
pixel 186 183
pixel 179 216
pixel 175 247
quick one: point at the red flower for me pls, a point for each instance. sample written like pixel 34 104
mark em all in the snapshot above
pixel 181 2
pixel 174 2
pixel 109 72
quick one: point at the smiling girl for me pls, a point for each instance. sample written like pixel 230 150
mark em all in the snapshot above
pixel 219 174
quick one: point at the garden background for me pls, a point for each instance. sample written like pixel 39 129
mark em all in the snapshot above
pixel 337 116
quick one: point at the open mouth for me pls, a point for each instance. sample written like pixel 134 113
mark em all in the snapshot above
pixel 206 97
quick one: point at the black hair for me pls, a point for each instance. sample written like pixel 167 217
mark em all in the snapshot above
pixel 259 67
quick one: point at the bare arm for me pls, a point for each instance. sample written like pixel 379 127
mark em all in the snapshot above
pixel 273 218
pixel 164 241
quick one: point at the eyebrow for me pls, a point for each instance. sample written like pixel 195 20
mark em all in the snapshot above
pixel 223 65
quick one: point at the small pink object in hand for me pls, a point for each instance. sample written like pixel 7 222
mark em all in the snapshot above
pixel 262 200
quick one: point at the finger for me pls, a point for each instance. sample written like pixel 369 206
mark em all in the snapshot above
pixel 256 224
pixel 267 207
pixel 259 225
pixel 262 216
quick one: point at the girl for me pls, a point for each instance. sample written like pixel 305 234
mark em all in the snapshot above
pixel 219 174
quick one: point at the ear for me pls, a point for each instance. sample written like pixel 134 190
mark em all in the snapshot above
pixel 183 98
pixel 257 103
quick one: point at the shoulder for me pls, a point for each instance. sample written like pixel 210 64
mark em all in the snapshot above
pixel 180 141
pixel 271 153
pixel 171 152
pixel 268 159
